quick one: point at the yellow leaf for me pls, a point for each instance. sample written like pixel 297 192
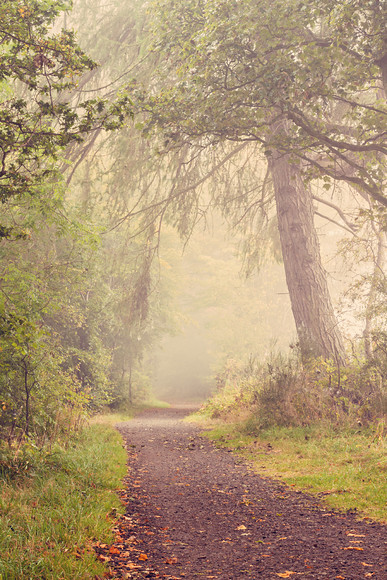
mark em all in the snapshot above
pixel 286 574
pixel 143 557
pixel 242 527
pixel 353 548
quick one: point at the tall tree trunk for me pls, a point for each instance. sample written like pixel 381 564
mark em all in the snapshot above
pixel 316 324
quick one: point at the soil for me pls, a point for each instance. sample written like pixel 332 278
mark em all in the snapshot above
pixel 196 511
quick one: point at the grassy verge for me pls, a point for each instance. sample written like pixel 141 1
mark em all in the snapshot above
pixel 51 515
pixel 127 413
pixel 347 470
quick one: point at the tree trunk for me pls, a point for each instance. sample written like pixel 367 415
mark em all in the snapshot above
pixel 316 324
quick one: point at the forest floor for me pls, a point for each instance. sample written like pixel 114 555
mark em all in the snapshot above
pixel 196 511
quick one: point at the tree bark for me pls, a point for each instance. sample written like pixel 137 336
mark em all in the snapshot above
pixel 316 324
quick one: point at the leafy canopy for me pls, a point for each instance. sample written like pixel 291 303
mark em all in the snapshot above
pixel 233 70
pixel 38 69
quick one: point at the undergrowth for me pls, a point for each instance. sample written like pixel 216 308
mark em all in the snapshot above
pixel 54 503
pixel 285 392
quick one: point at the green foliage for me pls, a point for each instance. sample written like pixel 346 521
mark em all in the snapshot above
pixel 37 117
pixel 234 70
pixel 283 392
pixel 59 503
pixel 72 329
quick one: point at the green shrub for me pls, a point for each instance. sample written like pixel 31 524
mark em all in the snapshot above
pixel 285 392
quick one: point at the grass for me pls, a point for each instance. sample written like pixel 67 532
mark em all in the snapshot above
pixel 51 515
pixel 127 413
pixel 347 470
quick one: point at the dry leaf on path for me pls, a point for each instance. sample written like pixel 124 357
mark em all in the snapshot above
pixel 143 557
pixel 286 574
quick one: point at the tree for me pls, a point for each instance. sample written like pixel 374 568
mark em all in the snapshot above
pixel 233 67
pixel 38 69
pixel 280 75
pixel 239 67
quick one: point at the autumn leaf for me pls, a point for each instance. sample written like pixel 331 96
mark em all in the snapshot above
pixel 143 557
pixel 171 561
pixel 286 574
pixel 353 548
pixel 365 564
pixel 114 550
pixel 242 527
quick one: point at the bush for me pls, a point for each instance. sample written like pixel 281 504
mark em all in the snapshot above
pixel 285 392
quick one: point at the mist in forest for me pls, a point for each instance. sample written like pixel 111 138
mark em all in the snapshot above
pixel 222 315
pixel 183 370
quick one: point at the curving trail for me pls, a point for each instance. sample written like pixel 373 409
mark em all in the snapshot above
pixel 195 511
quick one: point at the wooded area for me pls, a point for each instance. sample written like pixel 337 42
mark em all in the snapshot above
pixel 123 124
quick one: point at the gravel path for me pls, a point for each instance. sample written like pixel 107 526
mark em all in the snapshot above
pixel 195 511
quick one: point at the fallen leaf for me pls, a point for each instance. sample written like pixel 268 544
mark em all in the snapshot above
pixel 114 550
pixel 365 564
pixel 286 574
pixel 369 574
pixel 171 561
pixel 353 548
pixel 356 535
pixel 340 577
pixel 143 557
pixel 132 566
pixel 242 527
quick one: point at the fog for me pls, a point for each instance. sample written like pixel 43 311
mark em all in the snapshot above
pixel 222 316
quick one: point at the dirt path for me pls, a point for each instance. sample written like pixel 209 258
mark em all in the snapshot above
pixel 195 511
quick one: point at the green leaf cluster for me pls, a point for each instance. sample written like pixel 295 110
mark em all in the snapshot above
pixel 39 69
